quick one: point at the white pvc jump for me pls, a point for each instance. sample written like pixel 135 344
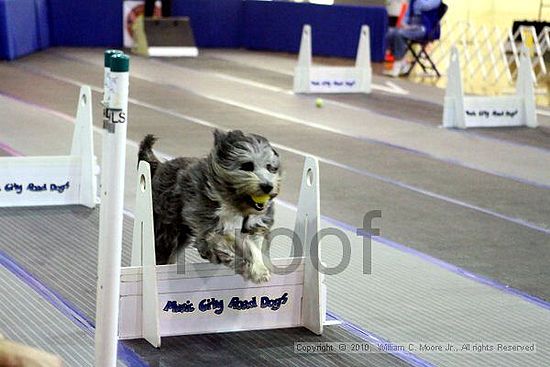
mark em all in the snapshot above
pixel 55 180
pixel 462 111
pixel 333 79
pixel 158 301
pixel 150 301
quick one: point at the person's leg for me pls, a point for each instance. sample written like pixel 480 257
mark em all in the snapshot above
pixel 399 37
pixel 149 8
pixel 399 44
pixel 390 39
pixel 396 40
pixel 392 43
pixel 414 32
pixel 166 8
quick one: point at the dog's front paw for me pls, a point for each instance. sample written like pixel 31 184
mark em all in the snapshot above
pixel 258 273
pixel 224 257
pixel 255 225
pixel 217 256
pixel 207 254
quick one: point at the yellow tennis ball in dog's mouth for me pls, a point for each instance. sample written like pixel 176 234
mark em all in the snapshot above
pixel 260 199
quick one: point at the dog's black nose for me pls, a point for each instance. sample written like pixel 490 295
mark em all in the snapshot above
pixel 266 187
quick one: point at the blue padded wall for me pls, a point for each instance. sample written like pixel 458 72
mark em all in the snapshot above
pixel 263 25
pixel 42 23
pixel 215 23
pixel 23 27
pixel 87 23
pixel 278 26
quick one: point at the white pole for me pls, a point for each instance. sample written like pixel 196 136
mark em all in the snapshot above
pixel 112 201
pixel 106 81
pixel 105 167
pixel 107 96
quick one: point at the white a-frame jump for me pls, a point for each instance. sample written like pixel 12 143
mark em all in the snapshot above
pixel 55 180
pixel 159 300
pixel 333 79
pixel 489 111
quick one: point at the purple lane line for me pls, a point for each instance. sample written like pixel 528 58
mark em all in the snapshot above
pixel 428 258
pixel 448 266
pixel 8 149
pixel 374 176
pixel 65 307
pixel 449 161
pixel 375 340
pixel 443 264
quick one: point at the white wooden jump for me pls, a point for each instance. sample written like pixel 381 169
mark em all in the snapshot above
pixel 55 180
pixel 489 111
pixel 333 79
pixel 150 301
pixel 158 301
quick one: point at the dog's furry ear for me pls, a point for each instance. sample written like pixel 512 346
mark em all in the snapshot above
pixel 231 137
pixel 219 136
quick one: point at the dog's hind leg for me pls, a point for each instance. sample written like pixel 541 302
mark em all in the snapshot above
pixel 169 241
pixel 165 251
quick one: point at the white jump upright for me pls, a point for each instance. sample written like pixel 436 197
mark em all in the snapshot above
pixel 157 300
pixel 462 111
pixel 307 228
pixel 111 212
pixel 55 180
pixel 333 79
pixel 143 255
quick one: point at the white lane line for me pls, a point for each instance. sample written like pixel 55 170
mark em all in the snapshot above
pixel 388 87
pixel 328 161
pixel 311 124
pixel 248 82
pixel 343 132
pixel 324 127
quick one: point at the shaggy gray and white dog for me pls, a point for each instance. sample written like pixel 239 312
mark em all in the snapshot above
pixel 222 204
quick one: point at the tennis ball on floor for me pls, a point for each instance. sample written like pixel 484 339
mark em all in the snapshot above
pixel 319 102
pixel 260 199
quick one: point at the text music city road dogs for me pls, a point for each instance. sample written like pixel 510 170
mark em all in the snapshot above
pixel 494 113
pixel 18 188
pixel 236 303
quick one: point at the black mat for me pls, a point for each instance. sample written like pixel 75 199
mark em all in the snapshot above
pixel 257 348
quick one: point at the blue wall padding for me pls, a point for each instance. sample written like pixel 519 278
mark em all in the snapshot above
pixel 215 23
pixel 87 23
pixel 23 27
pixel 30 25
pixel 42 23
pixel 278 26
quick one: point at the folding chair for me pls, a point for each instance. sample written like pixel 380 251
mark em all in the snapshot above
pixel 422 57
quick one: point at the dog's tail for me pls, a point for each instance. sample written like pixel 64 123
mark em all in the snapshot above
pixel 146 152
